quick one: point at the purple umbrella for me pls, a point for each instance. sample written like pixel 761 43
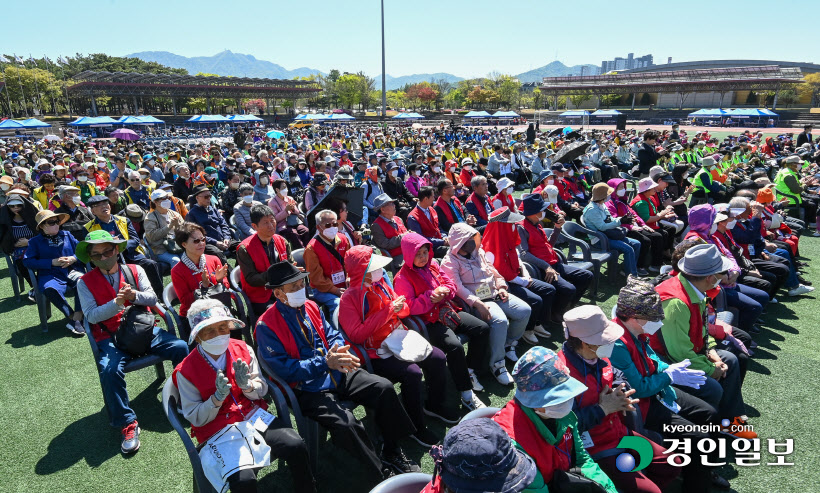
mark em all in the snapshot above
pixel 125 134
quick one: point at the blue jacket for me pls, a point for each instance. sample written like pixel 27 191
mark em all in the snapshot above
pixel 216 228
pixel 748 233
pixel 39 255
pixel 310 371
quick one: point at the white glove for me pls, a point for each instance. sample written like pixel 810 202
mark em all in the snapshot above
pixel 681 375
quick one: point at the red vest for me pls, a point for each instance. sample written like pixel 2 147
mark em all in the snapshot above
pixel 611 429
pixel 261 294
pixel 653 211
pixel 480 207
pixel 328 261
pixel 276 322
pixel 445 208
pixel 642 362
pixel 509 202
pixel 547 457
pixel 391 232
pixel 672 288
pixel 539 244
pixel 197 370
pixel 103 292
pixel 429 227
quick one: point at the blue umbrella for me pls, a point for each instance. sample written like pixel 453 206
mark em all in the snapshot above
pixel 275 134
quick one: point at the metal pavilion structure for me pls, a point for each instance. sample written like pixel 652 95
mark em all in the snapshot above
pixel 682 82
pixel 92 84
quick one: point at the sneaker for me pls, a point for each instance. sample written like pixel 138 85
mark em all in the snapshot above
pixel 803 281
pixel 387 471
pixel 740 433
pixel 540 331
pixel 31 297
pixel 76 328
pixel 642 272
pixel 510 353
pixel 425 438
pixel 654 268
pixel 477 387
pixel 719 482
pixel 130 438
pixel 800 289
pixel 400 462
pixel 501 374
pixel 443 414
pixel 773 300
pixel 473 403
pixel 816 234
pixel 529 337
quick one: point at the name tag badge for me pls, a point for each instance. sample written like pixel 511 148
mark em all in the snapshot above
pixel 674 407
pixel 261 419
pixel 337 277
pixel 484 292
pixel 586 440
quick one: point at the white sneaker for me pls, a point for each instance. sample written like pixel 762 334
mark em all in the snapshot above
pixel 501 374
pixel 473 403
pixel 510 352
pixel 529 337
pixel 477 387
pixel 816 234
pixel 801 289
pixel 540 331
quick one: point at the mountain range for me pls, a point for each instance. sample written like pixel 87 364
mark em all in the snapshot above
pixel 228 63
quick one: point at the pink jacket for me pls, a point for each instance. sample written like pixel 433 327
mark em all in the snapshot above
pixel 417 284
pixel 280 213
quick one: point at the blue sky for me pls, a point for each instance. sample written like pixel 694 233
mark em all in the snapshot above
pixel 465 38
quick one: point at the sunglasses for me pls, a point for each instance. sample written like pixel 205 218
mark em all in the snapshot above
pixel 52 222
pixel 208 196
pixel 328 225
pixel 134 179
pixel 105 254
pixel 197 241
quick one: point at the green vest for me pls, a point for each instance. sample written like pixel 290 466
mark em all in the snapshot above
pixel 781 187
pixel 698 180
pixel 674 159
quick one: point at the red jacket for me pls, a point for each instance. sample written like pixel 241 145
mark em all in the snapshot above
pixel 197 370
pixel 103 292
pixel 365 313
pixel 185 281
pixel 253 245
pixel 416 284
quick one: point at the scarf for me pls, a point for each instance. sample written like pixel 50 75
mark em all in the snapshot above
pixel 196 269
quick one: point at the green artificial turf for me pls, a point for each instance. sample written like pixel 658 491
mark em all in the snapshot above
pixel 54 433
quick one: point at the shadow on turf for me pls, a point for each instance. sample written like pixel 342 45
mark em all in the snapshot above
pixel 93 440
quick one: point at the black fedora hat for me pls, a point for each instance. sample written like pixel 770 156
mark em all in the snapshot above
pixel 282 273
pixel 198 189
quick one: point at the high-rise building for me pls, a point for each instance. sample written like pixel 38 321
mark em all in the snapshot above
pixel 627 63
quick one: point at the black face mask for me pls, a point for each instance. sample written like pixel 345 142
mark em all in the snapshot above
pixel 468 247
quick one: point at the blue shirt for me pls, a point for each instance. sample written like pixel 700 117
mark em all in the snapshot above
pixel 310 372
pixel 216 229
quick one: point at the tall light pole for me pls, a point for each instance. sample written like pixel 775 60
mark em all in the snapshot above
pixel 384 90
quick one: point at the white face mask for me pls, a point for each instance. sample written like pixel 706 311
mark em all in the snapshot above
pixel 436 169
pixel 713 229
pixel 717 282
pixel 571 172
pixel 247 199
pixel 605 351
pixel 5 187
pixel 550 182
pixel 541 216
pixel 297 298
pixel 510 190
pixel 621 192
pixel 394 173
pixel 165 204
pixel 557 411
pixel 377 275
pixel 217 345
pixel 468 168
pixel 418 173
pixel 652 327
pixel 214 176
pixel 330 233
pixel 82 178
pixel 234 185
pixel 283 192
pixel 263 181
pixel 685 176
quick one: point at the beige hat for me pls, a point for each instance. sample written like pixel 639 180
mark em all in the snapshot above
pixel 46 215
pixel 589 324
pixel 601 191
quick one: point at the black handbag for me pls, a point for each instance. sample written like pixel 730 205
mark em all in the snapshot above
pixel 618 233
pixel 216 292
pixel 136 330
pixel 573 481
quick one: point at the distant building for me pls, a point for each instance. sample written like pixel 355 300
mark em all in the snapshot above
pixel 628 63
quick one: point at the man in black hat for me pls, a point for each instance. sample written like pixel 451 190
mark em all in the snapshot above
pixel 218 235
pixel 397 190
pixel 299 346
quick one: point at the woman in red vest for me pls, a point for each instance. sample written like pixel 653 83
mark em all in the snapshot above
pixel 430 292
pixel 195 270
pixel 220 385
pixel 504 198
pixel 590 341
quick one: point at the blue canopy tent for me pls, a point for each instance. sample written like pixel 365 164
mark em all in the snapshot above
pixel 93 121
pixel 208 119
pixel 245 118
pixel 340 117
pixel 753 113
pixel 404 116
pixel 574 114
pixel 505 114
pixel 605 113
pixel 11 124
pixel 303 116
pixel 140 120
pixel 478 114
